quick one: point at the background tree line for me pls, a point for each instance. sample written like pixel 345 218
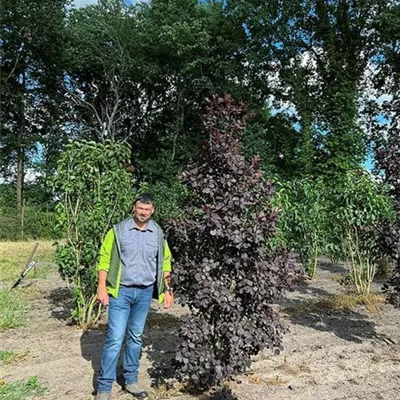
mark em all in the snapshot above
pixel 309 72
pixel 320 79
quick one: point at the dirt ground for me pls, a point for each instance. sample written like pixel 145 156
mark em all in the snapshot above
pixel 329 355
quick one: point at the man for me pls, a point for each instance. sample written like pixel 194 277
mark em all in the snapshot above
pixel 135 264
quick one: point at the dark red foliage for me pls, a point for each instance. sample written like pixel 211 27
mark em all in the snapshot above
pixel 224 268
pixel 388 159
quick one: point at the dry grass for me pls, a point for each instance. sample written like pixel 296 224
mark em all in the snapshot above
pixel 14 256
pixel 345 301
pixel 278 381
pixel 259 380
pixel 168 390
pixel 294 370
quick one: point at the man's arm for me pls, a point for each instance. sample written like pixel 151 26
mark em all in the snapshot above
pixel 103 267
pixel 167 280
pixel 102 294
pixel 168 294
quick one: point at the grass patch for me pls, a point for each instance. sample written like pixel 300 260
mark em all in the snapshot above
pixel 347 301
pixel 21 390
pixel 14 256
pixel 167 390
pixel 7 356
pixel 12 309
pixel 12 357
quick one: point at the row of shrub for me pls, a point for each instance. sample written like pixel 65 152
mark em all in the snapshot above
pixel 34 223
pixel 341 218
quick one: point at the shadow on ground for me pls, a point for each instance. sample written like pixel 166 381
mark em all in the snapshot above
pixel 326 265
pixel 62 302
pixel 160 340
pixel 351 325
pixel 307 288
pixel 92 342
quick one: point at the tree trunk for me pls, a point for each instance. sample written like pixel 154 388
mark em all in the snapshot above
pixel 20 165
pixel 20 177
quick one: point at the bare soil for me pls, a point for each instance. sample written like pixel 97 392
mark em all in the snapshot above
pixel 329 355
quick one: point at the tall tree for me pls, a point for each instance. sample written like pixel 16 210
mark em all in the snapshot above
pixel 313 56
pixel 31 49
pixel 383 116
pixel 140 74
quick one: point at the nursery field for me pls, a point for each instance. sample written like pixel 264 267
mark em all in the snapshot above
pixel 334 349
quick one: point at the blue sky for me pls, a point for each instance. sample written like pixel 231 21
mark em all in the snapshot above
pixel 82 3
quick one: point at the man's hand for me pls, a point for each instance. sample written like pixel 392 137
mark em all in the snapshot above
pixel 168 299
pixel 102 295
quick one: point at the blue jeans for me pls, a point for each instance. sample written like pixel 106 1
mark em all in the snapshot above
pixel 126 315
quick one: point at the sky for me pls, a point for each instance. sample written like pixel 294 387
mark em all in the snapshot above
pixel 82 3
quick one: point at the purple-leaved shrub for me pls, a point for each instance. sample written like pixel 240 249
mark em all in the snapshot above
pixel 225 269
pixel 388 159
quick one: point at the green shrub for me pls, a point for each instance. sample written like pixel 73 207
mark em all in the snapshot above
pixel 38 219
pixel 335 218
pixel 303 220
pixel 357 205
pixel 95 190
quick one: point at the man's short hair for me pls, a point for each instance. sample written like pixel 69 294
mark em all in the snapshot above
pixel 144 198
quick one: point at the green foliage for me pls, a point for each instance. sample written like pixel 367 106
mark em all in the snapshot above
pixel 21 390
pixel 141 74
pixel 167 199
pixel 36 224
pixel 38 219
pixel 13 307
pixel 95 190
pixel 338 218
pixel 312 58
pixel 31 58
pixel 303 221
pixel 356 201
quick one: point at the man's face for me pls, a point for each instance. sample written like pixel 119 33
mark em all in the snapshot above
pixel 143 211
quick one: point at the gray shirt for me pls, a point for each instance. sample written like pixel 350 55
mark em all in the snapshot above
pixel 138 253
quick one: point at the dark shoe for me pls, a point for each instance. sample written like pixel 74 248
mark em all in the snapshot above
pixel 136 391
pixel 103 396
